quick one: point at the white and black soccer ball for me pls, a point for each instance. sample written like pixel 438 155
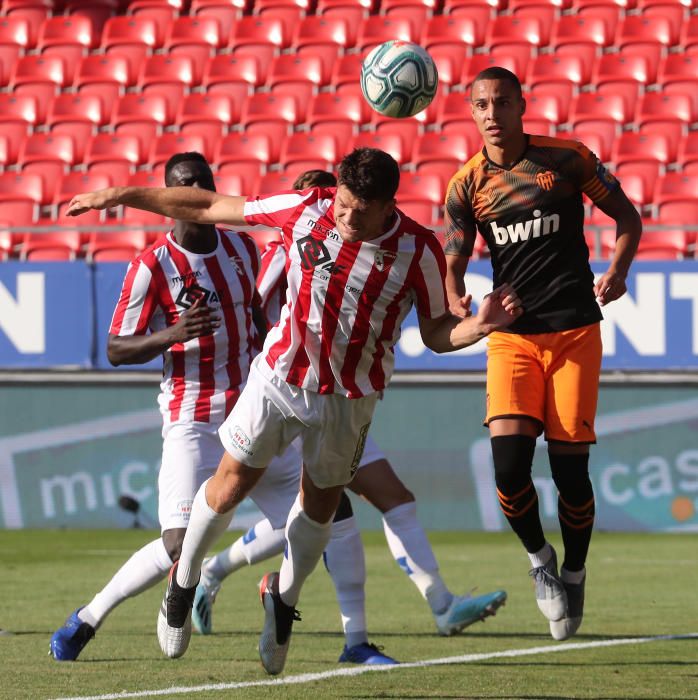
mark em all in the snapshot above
pixel 399 79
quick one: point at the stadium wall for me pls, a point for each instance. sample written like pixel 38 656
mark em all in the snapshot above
pixel 69 449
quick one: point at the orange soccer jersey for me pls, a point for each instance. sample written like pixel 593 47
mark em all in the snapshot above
pixel 531 215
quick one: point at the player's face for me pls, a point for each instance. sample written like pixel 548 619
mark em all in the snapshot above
pixel 497 110
pixel 358 219
pixel 191 173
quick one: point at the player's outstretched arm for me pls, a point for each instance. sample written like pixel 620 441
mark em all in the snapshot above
pixel 183 203
pixel 611 285
pixel 498 310
pixel 196 321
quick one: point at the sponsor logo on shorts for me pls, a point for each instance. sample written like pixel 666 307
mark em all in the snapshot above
pixel 240 440
pixel 363 433
pixel 184 509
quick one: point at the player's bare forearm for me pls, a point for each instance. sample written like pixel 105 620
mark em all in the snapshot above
pixel 137 349
pixel 611 285
pixel 456 265
pixel 182 203
pixel 498 310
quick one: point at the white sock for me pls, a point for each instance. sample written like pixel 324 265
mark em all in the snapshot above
pixel 542 556
pixel 205 527
pixel 573 576
pixel 305 542
pixel 411 550
pixel 344 560
pixel 260 542
pixel 144 569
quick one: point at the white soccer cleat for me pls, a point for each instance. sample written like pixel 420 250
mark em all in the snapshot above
pixel 174 618
pixel 278 621
pixel 465 610
pixel 550 591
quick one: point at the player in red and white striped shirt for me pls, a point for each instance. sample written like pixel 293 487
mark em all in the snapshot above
pixel 377 483
pixel 356 267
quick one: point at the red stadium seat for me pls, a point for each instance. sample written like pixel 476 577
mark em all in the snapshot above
pixel 196 31
pixel 108 246
pixel 679 213
pixel 98 68
pixel 159 14
pixel 97 11
pixel 225 12
pixel 233 185
pixel 596 106
pixel 200 107
pixel 658 106
pixel 268 107
pixel 34 15
pixel 480 14
pixel 454 107
pixel 150 109
pixel 76 183
pixel 425 186
pixel 546 14
pixel 633 147
pixel 47 147
pixel 674 187
pixel 347 70
pixel 553 68
pixel 639 29
pixel 452 31
pixel 609 12
pixel 13 133
pixel 166 145
pixel 544 107
pixel 250 171
pixel 240 147
pixel 619 67
pixel 129 30
pixel 65 30
pixel 449 61
pixel 18 108
pixel 335 107
pixel 161 69
pixel 303 151
pixel 508 29
pixel 689 34
pixel 420 210
pixel 671 244
pixel 674 12
pixel 688 150
pixel 76 108
pixel 580 29
pixel 276 182
pixel 408 130
pixel 433 146
pixel 15 32
pixel 290 69
pixel 50 245
pixel 376 29
pixel 390 143
pixel 647 171
pixel 112 151
pixel 597 136
pixel 481 61
pixel 259 31
pixel 9 55
pixel 352 14
pixel 233 68
pixel 16 187
pixel 36 69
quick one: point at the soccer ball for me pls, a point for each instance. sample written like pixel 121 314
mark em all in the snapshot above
pixel 399 79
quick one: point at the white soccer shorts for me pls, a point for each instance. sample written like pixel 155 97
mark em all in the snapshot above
pixel 271 413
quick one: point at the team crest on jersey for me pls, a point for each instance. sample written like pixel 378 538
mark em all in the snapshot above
pixel 545 180
pixel 237 263
pixel 383 259
pixel 188 295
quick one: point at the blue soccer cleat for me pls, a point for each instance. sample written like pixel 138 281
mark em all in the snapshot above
pixel 68 641
pixel 366 653
pixel 204 598
pixel 465 610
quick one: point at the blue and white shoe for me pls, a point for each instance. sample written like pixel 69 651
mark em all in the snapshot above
pixel 366 653
pixel 204 598
pixel 465 610
pixel 68 641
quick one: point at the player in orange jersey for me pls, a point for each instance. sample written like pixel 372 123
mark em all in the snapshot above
pixel 523 193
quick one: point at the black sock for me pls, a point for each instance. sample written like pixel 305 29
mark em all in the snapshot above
pixel 513 458
pixel 575 506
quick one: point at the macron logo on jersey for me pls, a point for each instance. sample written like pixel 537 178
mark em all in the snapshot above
pixel 523 230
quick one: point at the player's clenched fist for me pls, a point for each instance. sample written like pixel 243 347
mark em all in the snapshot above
pixel 501 306
pixel 196 321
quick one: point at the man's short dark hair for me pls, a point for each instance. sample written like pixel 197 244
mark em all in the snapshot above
pixel 499 73
pixel 188 156
pixel 314 178
pixel 370 174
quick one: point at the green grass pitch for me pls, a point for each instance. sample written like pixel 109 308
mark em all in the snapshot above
pixel 638 586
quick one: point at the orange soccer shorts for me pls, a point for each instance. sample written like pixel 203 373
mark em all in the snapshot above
pixel 550 377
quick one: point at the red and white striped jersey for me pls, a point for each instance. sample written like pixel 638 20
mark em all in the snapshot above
pixel 346 300
pixel 203 377
pixel 271 281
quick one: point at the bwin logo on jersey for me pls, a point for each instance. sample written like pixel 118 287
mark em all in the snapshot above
pixel 523 230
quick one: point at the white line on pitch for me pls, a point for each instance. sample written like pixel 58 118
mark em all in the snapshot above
pixel 358 670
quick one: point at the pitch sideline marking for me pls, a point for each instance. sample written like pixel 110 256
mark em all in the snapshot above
pixel 358 670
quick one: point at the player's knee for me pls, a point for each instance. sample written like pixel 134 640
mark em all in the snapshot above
pixel 513 459
pixel 172 539
pixel 570 473
pixel 344 509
